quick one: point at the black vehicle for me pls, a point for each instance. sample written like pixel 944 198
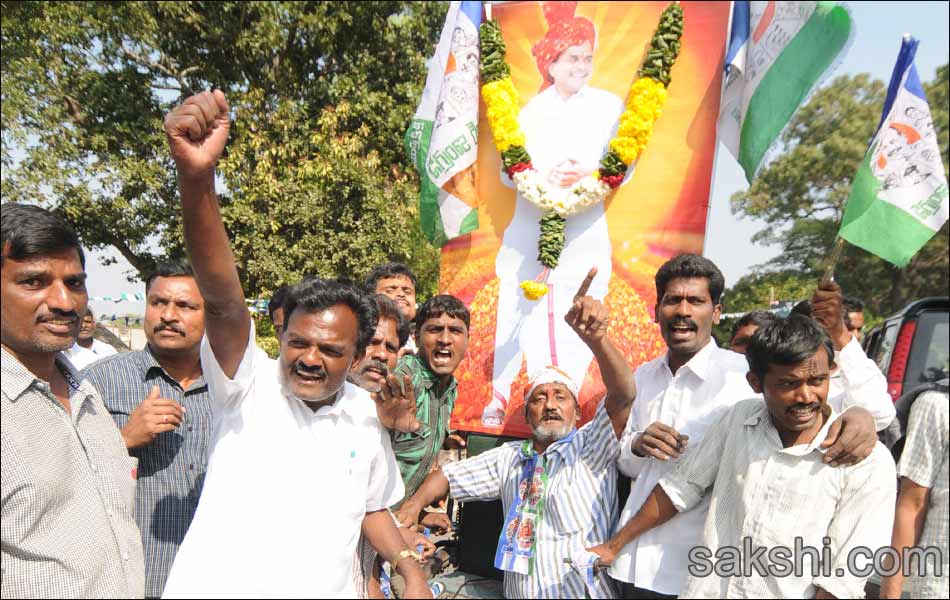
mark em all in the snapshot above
pixel 912 347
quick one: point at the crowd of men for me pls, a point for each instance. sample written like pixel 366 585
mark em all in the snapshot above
pixel 200 467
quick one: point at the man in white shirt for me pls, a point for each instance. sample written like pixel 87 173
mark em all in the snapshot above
pixel 770 491
pixel 299 463
pixel 567 127
pixel 678 396
pixel 87 349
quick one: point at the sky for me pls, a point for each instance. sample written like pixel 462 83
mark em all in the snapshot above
pixel 878 30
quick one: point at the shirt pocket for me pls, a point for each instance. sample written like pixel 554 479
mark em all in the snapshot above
pixel 406 445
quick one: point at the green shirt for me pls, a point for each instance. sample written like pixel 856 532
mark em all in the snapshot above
pixel 416 452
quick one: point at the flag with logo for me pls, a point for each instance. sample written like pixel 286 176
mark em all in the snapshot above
pixel 899 197
pixel 777 53
pixel 442 140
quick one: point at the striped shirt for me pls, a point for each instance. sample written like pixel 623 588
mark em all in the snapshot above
pixel 67 493
pixel 925 462
pixel 172 468
pixel 417 452
pixel 580 509
pixel 770 495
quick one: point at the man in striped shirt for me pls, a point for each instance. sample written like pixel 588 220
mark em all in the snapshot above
pixel 558 489
pixel 782 523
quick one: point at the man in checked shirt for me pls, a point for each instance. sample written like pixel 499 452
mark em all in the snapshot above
pixel 159 399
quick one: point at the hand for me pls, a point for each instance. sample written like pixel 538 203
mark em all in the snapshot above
pixel 606 553
pixel 660 441
pixel 407 514
pixel 826 308
pixel 396 404
pixel 413 539
pixel 851 438
pixel 197 131
pixel 404 351
pixel 567 173
pixel 588 317
pixel 454 441
pixel 438 522
pixel 153 416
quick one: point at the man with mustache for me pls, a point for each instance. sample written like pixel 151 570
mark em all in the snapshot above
pixel 67 525
pixel 159 399
pixel 678 396
pixel 770 490
pixel 558 489
pixel 298 464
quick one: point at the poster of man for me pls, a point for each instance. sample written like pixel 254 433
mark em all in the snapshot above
pixel 572 65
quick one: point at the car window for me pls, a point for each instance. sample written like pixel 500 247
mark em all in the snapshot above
pixel 888 339
pixel 930 353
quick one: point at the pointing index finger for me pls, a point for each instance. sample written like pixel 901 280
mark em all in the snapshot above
pixel 585 285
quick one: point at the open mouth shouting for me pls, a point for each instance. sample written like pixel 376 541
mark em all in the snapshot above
pixel 682 330
pixel 307 376
pixel 803 413
pixel 374 371
pixel 442 357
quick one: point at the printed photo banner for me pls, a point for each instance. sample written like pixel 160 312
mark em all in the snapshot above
pixel 568 116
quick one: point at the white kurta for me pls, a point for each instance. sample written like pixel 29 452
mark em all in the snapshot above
pixel 286 489
pixel 556 130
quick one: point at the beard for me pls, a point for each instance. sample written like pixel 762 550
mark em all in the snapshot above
pixel 551 433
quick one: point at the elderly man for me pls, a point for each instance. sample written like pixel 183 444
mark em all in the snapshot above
pixel 775 506
pixel 678 396
pixel 87 349
pixel 159 399
pixel 67 526
pixel 299 465
pixel 558 489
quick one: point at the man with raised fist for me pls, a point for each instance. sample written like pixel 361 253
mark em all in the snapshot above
pixel 298 463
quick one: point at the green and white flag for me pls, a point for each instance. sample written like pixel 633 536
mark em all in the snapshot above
pixel 778 52
pixel 899 198
pixel 442 140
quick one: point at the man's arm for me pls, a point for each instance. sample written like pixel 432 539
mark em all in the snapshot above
pixel 434 487
pixel 589 319
pixel 381 533
pixel 908 524
pixel 656 510
pixel 197 132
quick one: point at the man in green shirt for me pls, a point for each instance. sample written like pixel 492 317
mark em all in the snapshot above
pixel 442 336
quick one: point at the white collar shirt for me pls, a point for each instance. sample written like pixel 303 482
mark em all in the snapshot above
pixel 764 497
pixel 698 394
pixel 859 382
pixel 286 489
pixel 557 128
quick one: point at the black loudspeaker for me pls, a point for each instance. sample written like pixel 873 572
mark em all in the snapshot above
pixel 480 522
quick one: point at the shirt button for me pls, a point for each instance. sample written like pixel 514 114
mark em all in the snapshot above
pixel 125 556
pixel 94 468
pixel 192 466
pixel 109 511
pixel 189 428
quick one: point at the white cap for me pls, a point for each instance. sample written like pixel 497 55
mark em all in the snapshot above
pixel 551 374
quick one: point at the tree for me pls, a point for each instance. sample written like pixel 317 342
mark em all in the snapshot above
pixel 315 178
pixel 801 195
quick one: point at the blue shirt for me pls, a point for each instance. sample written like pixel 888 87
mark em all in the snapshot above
pixel 171 469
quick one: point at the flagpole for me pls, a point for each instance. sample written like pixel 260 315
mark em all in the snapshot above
pixel 829 275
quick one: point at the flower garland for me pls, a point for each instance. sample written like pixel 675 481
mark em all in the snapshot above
pixel 644 104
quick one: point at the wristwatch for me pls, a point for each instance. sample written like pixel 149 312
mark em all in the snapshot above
pixel 403 554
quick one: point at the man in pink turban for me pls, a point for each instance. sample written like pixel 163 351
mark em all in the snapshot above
pixel 567 127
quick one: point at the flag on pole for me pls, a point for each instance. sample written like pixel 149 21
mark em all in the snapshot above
pixel 442 140
pixel 899 197
pixel 777 53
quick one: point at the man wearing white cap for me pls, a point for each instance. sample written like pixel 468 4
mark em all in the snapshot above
pixel 558 489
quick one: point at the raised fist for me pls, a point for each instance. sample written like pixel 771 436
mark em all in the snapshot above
pixel 197 131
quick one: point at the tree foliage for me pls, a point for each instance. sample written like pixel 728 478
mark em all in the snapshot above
pixel 315 179
pixel 801 196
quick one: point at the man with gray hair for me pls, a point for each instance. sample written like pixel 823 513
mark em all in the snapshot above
pixel 559 488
